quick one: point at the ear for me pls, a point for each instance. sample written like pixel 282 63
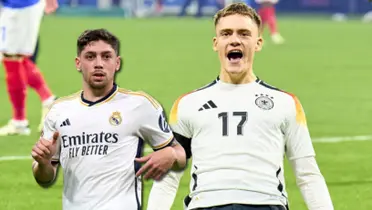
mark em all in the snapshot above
pixel 259 44
pixel 118 63
pixel 78 64
pixel 215 42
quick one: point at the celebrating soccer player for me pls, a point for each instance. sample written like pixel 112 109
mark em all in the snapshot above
pixel 238 129
pixel 19 23
pixel 97 135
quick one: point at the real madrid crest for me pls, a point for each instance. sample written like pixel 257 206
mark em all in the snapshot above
pixel 115 119
pixel 264 102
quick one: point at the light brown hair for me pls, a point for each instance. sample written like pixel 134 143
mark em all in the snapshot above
pixel 239 9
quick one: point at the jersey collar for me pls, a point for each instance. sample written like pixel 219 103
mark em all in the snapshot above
pixel 258 80
pixel 105 99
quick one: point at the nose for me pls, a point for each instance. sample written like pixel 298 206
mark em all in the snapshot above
pixel 234 41
pixel 99 63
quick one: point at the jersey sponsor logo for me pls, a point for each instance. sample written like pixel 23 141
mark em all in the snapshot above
pixel 163 124
pixel 264 102
pixel 115 119
pixel 88 143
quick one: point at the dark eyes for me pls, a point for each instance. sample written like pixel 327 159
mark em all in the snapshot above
pixel 244 34
pixel 91 57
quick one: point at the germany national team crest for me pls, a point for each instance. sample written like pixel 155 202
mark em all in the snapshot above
pixel 264 102
pixel 115 119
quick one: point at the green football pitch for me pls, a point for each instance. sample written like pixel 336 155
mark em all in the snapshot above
pixel 326 64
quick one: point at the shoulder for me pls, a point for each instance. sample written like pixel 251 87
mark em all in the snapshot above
pixel 64 101
pixel 141 97
pixel 192 96
pixel 186 101
pixel 288 101
pixel 60 105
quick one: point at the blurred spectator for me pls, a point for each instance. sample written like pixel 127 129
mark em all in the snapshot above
pixel 268 16
pixel 201 4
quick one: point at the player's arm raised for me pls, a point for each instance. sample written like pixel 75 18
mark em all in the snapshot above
pixel 301 155
pixel 168 153
pixel 163 192
pixel 45 154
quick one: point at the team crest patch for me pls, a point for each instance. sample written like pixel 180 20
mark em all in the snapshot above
pixel 264 102
pixel 115 119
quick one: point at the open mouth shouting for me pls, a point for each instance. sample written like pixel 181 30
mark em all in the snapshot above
pixel 235 56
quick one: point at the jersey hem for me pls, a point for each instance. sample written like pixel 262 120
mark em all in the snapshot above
pixel 208 199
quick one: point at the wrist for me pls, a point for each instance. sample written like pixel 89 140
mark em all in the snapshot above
pixel 44 173
pixel 178 163
pixel 44 165
pixel 174 154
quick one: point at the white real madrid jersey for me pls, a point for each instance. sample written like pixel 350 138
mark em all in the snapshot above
pixel 98 144
pixel 238 136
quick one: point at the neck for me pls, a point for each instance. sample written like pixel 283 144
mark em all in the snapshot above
pixel 91 94
pixel 240 78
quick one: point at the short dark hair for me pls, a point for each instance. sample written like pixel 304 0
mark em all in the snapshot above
pixel 238 9
pixel 89 36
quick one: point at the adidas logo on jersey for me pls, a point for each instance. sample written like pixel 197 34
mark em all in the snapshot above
pixel 65 123
pixel 208 105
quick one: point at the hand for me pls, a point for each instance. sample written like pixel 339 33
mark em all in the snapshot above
pixel 44 150
pixel 157 164
pixel 51 6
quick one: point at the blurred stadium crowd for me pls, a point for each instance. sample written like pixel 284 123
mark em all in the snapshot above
pixel 142 8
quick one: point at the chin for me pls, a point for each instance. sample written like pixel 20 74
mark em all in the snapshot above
pixel 98 85
pixel 234 71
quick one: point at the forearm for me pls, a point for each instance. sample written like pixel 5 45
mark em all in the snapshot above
pixel 180 155
pixel 163 192
pixel 44 174
pixel 312 184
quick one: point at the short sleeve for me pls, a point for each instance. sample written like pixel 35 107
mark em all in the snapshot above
pixel 154 127
pixel 179 119
pixel 298 140
pixel 48 130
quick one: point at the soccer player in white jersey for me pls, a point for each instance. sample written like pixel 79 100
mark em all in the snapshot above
pixel 97 134
pixel 19 30
pixel 238 130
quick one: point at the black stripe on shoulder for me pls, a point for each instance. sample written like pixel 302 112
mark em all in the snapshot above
pixel 263 83
pixel 207 86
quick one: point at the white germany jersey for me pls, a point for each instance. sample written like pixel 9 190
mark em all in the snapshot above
pixel 98 144
pixel 239 135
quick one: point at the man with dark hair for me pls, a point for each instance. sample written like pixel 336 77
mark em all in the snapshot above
pixel 238 129
pixel 97 135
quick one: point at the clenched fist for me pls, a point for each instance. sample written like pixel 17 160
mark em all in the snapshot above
pixel 44 150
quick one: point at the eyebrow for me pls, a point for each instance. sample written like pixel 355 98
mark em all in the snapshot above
pixel 239 30
pixel 102 52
